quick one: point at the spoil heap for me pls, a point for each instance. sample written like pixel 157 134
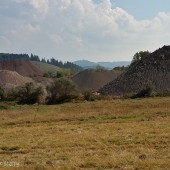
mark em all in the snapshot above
pixel 23 67
pixel 10 79
pixel 94 79
pixel 154 69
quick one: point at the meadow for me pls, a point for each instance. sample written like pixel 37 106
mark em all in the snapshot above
pixel 119 134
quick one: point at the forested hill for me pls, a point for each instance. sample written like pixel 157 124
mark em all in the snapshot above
pixel 10 57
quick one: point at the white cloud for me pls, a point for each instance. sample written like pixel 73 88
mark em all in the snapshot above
pixel 55 38
pixel 164 16
pixel 82 28
pixel 4 41
pixel 41 6
pixel 24 30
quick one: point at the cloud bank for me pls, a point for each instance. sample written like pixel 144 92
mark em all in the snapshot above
pixel 78 29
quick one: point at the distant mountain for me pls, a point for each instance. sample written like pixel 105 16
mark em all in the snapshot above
pixel 108 65
pixel 111 65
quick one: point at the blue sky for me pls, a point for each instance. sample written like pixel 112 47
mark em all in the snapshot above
pixel 96 30
pixel 144 9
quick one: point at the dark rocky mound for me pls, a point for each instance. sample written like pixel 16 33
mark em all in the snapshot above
pixel 23 67
pixel 94 79
pixel 154 69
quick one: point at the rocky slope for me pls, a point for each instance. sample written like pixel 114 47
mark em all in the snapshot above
pixel 154 69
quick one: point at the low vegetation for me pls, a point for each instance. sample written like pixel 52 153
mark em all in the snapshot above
pixel 2 93
pixel 117 134
pixel 89 95
pixel 27 94
pixel 145 92
pixel 61 90
pixel 64 72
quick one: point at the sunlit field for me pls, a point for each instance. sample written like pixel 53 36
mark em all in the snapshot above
pixel 120 134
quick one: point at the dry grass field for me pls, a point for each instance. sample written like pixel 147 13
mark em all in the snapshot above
pixel 119 134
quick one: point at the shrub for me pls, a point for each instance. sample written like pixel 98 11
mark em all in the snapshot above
pixel 61 90
pixel 12 94
pixel 50 74
pixel 28 94
pixel 88 95
pixel 146 92
pixel 57 74
pixel 2 93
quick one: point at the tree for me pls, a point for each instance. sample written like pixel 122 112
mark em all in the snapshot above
pixel 8 57
pixel 61 90
pixel 48 61
pixel 43 60
pixel 67 64
pixel 140 55
pixel 34 57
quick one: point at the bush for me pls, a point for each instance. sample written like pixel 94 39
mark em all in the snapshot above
pixel 2 93
pixel 55 74
pixel 61 90
pixel 28 94
pixel 88 95
pixel 146 92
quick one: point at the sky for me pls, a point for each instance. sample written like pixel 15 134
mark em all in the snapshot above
pixel 95 30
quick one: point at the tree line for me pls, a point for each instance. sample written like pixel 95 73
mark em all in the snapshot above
pixel 32 57
pixel 8 57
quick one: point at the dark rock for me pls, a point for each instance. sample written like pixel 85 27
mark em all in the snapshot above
pixel 154 69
